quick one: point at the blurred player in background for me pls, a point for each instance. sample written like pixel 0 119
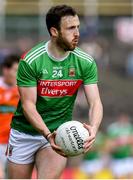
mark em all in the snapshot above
pixel 9 97
pixel 120 146
pixel 93 162
pixel 48 78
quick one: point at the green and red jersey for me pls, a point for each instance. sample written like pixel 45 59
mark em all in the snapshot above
pixel 57 83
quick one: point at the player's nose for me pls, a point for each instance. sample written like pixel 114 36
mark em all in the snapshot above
pixel 76 32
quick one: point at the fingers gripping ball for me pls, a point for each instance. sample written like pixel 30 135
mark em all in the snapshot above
pixel 70 136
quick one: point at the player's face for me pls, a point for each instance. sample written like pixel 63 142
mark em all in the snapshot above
pixel 68 36
pixel 9 74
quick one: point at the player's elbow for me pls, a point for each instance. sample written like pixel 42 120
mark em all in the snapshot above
pixel 27 105
pixel 100 107
pixel 97 107
pixel 96 103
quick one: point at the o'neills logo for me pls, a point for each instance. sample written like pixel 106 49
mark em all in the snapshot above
pixel 58 88
pixel 79 140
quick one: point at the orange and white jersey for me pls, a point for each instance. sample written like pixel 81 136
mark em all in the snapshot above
pixel 9 97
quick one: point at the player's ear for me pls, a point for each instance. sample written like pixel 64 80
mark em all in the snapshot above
pixel 54 32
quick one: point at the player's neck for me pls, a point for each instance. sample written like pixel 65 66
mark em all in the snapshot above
pixel 56 51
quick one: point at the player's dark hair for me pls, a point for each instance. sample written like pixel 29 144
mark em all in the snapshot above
pixel 10 60
pixel 54 15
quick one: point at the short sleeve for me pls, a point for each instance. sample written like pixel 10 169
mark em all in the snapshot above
pixel 90 74
pixel 25 75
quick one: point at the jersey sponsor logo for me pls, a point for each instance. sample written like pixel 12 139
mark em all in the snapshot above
pixel 58 88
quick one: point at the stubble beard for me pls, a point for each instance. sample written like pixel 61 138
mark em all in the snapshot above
pixel 63 44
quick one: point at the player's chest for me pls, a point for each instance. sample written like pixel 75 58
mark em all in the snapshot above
pixel 59 80
pixel 59 72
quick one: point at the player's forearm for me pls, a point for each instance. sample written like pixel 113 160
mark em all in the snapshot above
pixel 34 118
pixel 96 114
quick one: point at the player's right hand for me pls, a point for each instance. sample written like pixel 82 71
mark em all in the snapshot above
pixel 56 148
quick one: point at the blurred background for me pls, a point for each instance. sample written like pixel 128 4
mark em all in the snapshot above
pixel 106 33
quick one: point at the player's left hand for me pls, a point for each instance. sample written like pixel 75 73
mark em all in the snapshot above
pixel 55 147
pixel 92 135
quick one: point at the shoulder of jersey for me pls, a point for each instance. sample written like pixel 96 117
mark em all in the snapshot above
pixel 82 55
pixel 34 53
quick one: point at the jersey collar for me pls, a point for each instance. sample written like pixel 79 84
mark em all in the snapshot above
pixel 52 57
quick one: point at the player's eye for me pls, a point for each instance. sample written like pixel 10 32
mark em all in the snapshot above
pixel 72 27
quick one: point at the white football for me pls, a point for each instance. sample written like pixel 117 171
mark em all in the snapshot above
pixel 70 137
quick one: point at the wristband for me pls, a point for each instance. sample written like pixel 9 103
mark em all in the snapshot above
pixel 47 135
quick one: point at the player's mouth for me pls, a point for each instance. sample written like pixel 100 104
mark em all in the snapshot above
pixel 75 41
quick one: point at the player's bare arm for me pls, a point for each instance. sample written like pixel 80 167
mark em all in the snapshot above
pixel 95 113
pixel 28 99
